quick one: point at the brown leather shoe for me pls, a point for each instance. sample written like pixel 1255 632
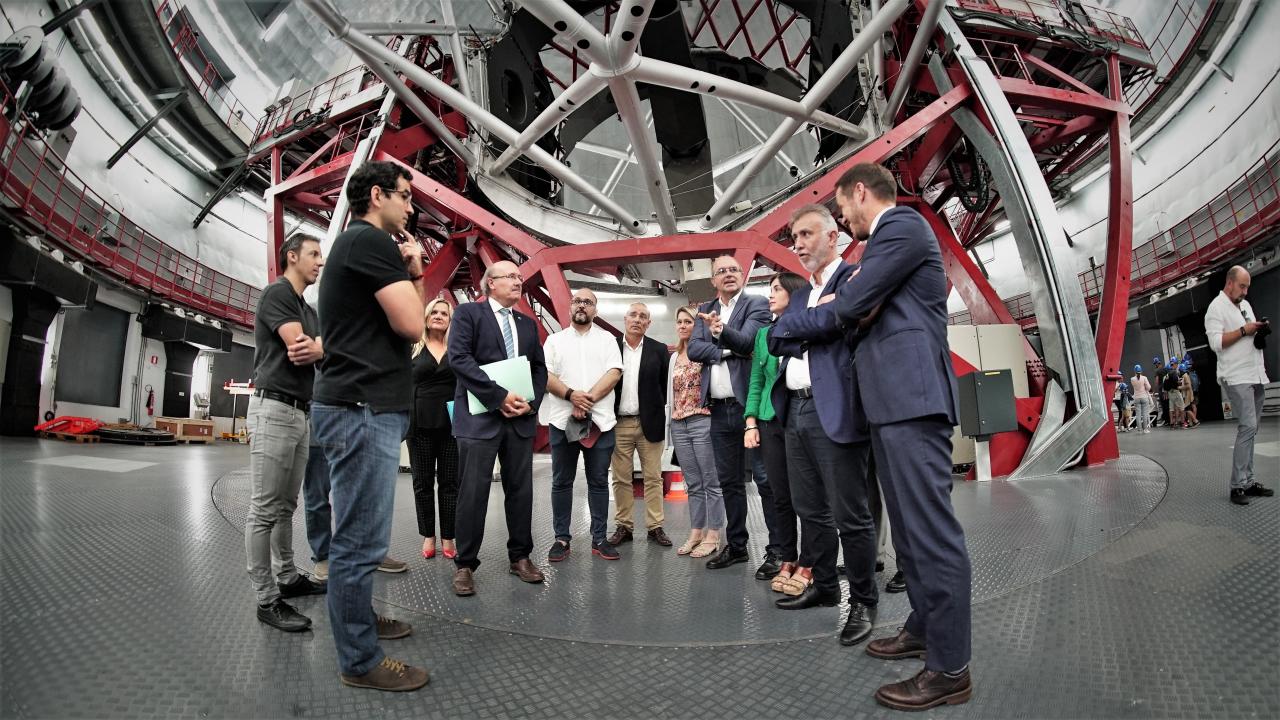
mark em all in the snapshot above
pixel 659 536
pixel 463 584
pixel 927 689
pixel 527 571
pixel 902 645
pixel 620 535
pixel 390 675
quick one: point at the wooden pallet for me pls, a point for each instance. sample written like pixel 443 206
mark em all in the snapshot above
pixel 70 437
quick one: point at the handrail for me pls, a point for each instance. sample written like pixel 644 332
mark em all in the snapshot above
pixel 203 73
pixel 1237 216
pixel 1104 23
pixel 37 182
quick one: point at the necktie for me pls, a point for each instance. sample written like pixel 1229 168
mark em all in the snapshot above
pixel 508 334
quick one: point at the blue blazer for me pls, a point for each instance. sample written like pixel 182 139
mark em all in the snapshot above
pixel 903 360
pixel 738 336
pixel 474 340
pixel 831 353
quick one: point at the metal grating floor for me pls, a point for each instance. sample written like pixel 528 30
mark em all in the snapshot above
pixel 1103 593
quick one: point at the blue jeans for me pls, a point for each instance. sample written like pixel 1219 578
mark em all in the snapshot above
pixel 363 449
pixel 315 496
pixel 564 469
pixel 691 438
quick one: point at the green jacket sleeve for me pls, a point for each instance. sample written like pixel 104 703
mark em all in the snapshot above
pixel 759 363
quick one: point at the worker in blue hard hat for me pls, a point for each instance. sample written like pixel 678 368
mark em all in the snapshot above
pixel 1123 401
pixel 1160 373
pixel 1140 387
pixel 1188 388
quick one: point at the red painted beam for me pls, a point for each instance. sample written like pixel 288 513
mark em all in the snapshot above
pixel 1030 94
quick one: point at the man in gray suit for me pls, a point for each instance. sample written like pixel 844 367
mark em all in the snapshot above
pixel 722 341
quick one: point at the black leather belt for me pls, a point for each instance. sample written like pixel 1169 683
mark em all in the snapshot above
pixel 303 405
pixel 721 401
pixel 624 417
pixel 802 393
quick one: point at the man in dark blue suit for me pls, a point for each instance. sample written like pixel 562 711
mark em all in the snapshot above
pixel 827 439
pixel 907 388
pixel 484 332
pixel 723 338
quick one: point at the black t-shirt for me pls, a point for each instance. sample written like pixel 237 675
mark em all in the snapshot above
pixel 365 361
pixel 272 369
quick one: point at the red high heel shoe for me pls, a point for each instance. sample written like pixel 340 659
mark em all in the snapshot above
pixel 449 554
pixel 428 554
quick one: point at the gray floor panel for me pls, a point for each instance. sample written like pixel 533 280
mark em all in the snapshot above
pixel 1096 594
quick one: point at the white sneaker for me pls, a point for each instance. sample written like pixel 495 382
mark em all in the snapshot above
pixel 321 571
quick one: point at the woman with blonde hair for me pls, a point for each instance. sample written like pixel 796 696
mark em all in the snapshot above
pixel 433 453
pixel 690 433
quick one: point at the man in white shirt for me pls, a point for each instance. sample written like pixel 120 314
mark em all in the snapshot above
pixel 583 365
pixel 1233 330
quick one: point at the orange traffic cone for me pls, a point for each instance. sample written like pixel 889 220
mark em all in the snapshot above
pixel 674 480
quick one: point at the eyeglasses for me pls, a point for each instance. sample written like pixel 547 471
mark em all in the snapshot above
pixel 405 195
pixel 514 277
pixel 584 302
pixel 728 270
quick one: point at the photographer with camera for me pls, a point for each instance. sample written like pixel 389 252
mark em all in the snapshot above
pixel 1238 336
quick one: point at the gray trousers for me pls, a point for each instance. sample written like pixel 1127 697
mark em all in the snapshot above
pixel 1246 405
pixel 279 440
pixel 691 438
pixel 1142 408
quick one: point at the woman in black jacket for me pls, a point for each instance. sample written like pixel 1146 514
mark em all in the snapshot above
pixel 433 454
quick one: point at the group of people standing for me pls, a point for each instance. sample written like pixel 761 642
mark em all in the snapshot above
pixel 813 379
pixel 1171 398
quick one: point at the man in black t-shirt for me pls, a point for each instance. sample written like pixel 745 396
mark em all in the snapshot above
pixel 287 344
pixel 371 309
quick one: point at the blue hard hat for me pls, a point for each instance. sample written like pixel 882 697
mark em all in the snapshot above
pixel 1137 368
pixel 1156 359
pixel 1173 362
pixel 1183 367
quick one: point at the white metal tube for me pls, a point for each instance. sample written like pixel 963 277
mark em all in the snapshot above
pixel 816 95
pixel 877 52
pixel 924 34
pixel 476 113
pixel 573 97
pixel 625 36
pixel 419 108
pixel 576 31
pixel 660 72
pixel 645 147
pixel 455 46
pixel 378 29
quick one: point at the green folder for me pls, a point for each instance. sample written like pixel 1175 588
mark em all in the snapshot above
pixel 513 374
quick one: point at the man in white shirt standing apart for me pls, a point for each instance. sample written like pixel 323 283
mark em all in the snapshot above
pixel 583 365
pixel 1236 335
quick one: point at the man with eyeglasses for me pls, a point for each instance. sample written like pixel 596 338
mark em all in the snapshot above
pixel 723 339
pixel 371 310
pixel 484 332
pixel 583 365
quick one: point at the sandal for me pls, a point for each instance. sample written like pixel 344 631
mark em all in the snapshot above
pixel 688 545
pixel 705 548
pixel 800 580
pixel 784 575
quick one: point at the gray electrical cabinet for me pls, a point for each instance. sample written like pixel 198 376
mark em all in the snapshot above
pixel 986 403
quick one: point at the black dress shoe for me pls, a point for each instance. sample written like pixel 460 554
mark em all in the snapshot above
pixel 281 616
pixel 769 567
pixel 927 689
pixel 303 585
pixel 1239 496
pixel 897 583
pixel 811 597
pixel 879 566
pixel 1259 490
pixel 728 556
pixel 858 626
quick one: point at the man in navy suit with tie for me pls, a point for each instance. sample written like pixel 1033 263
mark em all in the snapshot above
pixel 907 388
pixel 827 439
pixel 481 333
pixel 723 339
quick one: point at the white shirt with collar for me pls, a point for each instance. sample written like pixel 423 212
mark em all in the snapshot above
pixel 721 379
pixel 629 404
pixel 1240 364
pixel 875 221
pixel 580 360
pixel 497 315
pixel 798 368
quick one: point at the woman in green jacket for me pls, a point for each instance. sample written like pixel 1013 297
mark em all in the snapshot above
pixel 765 431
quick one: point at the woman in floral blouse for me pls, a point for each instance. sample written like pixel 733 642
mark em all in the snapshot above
pixel 690 433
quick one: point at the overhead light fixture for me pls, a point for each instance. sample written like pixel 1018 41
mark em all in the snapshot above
pixel 274 28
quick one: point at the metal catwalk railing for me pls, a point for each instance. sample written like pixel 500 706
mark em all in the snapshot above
pixel 1242 213
pixel 36 184
pixel 215 90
